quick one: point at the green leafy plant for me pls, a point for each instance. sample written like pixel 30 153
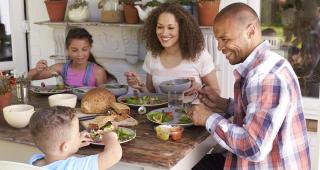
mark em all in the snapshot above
pixel 153 3
pixel 78 4
pixel 127 2
pixel 182 2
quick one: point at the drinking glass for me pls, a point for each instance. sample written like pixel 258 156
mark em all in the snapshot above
pixel 175 100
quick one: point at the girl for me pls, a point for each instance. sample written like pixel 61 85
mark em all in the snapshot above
pixel 176 50
pixel 81 69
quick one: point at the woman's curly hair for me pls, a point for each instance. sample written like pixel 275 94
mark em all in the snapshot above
pixel 191 40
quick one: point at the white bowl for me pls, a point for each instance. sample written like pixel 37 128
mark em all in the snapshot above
pixel 176 85
pixel 69 100
pixel 19 115
pixel 80 91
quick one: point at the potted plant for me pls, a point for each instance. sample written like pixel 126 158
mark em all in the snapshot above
pixel 207 11
pixel 130 12
pixel 148 7
pixel 6 84
pixel 79 11
pixel 186 4
pixel 56 9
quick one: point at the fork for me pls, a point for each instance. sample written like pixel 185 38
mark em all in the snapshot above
pixel 187 105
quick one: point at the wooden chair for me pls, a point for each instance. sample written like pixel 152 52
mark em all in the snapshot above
pixel 9 165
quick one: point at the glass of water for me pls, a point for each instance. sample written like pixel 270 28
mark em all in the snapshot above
pixel 175 100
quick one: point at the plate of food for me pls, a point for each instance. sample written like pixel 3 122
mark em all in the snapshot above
pixel 124 134
pixel 50 89
pixel 169 116
pixel 150 99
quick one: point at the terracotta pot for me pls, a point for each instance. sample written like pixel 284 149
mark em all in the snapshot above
pixel 130 14
pixel 207 11
pixel 56 9
pixel 5 100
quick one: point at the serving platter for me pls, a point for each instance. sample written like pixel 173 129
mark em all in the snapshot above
pixel 169 116
pixel 131 135
pixel 150 99
pixel 49 89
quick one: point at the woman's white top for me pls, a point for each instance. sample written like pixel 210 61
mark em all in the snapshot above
pixel 186 69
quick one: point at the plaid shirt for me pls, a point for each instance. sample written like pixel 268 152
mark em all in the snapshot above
pixel 268 129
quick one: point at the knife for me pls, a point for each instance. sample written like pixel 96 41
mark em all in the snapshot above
pixel 84 118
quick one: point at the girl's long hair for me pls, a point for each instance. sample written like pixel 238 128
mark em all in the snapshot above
pixel 81 33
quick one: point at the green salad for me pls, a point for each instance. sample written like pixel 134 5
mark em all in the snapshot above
pixel 161 117
pixel 143 100
pixel 123 134
pixel 185 119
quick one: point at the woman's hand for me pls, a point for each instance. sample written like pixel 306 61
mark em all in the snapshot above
pixel 85 139
pixel 193 89
pixel 134 80
pixel 41 65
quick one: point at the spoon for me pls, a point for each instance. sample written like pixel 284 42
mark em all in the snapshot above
pixel 142 109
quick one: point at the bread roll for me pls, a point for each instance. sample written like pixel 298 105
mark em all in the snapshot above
pixel 122 111
pixel 97 100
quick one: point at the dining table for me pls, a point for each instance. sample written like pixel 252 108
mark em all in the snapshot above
pixel 145 152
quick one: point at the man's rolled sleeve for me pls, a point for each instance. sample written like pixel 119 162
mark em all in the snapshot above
pixel 212 122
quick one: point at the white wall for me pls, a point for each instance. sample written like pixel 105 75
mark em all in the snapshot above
pixel 40 37
pixel 42 46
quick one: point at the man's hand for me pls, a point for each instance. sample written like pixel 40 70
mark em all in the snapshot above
pixel 212 99
pixel 85 138
pixel 199 114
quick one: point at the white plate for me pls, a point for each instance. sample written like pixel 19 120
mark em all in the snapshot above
pixel 162 97
pixel 130 131
pixel 48 89
pixel 176 117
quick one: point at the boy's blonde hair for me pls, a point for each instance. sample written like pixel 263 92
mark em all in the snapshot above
pixel 50 126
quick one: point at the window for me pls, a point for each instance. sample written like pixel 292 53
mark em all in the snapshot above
pixel 293 29
pixel 5 33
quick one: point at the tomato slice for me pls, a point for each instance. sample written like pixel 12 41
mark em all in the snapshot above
pixel 169 114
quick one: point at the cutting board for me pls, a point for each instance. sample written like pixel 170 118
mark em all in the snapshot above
pixel 130 121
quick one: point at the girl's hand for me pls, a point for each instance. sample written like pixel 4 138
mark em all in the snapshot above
pixel 134 80
pixel 41 65
pixel 85 138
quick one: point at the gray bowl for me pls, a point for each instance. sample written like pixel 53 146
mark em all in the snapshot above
pixel 176 85
pixel 116 89
pixel 80 91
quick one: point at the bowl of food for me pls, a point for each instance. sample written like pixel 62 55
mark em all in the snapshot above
pixel 80 91
pixel 116 89
pixel 19 115
pixel 69 100
pixel 176 85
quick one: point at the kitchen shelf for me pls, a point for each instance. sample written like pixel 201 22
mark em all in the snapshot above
pixel 140 25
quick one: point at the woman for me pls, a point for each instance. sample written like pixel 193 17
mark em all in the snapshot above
pixel 175 47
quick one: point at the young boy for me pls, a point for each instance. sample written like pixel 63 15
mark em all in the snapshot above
pixel 55 132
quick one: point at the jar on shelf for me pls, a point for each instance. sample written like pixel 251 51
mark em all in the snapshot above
pixel 111 12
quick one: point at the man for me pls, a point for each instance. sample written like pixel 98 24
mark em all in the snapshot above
pixel 268 129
